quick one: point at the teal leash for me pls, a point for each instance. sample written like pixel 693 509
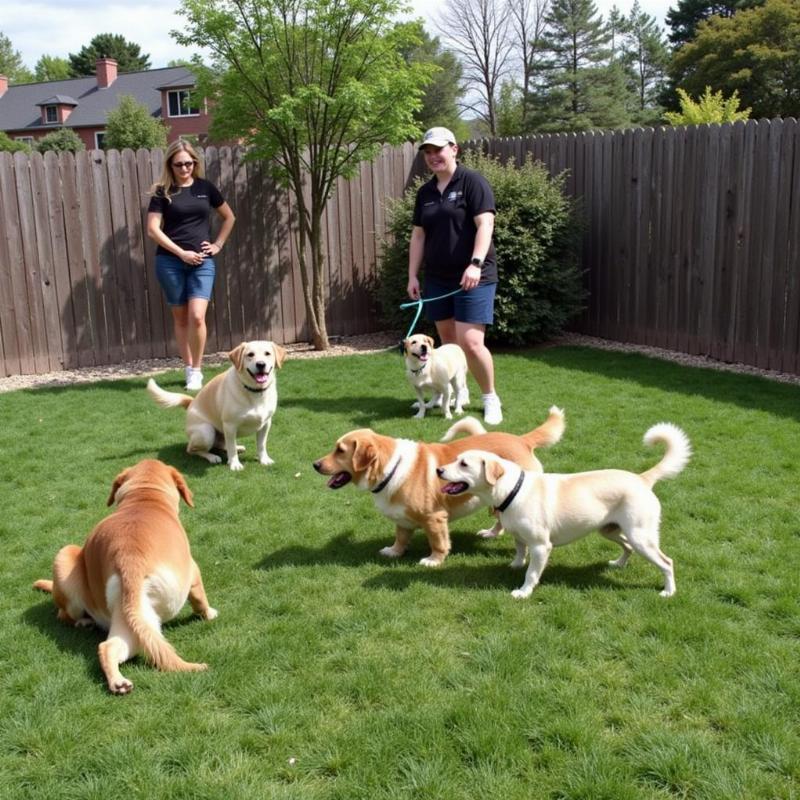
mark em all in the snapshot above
pixel 418 304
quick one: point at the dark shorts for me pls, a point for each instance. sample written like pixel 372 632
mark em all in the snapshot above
pixel 475 306
pixel 181 282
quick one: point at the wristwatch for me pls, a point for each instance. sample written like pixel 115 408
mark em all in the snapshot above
pixel 476 262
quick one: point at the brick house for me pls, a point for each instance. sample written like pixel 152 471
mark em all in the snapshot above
pixel 29 111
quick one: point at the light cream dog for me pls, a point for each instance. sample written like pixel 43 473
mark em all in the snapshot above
pixel 134 572
pixel 401 476
pixel 238 402
pixel 441 369
pixel 543 511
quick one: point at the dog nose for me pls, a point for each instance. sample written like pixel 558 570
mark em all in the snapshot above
pixel 318 465
pixel 440 472
pixel 423 349
pixel 261 365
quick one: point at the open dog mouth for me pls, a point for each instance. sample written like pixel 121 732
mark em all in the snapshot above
pixel 260 377
pixel 339 480
pixel 455 487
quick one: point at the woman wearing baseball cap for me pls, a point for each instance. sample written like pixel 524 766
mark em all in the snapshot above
pixel 452 235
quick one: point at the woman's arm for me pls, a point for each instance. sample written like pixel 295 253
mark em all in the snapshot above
pixel 228 220
pixel 484 228
pixel 416 249
pixel 154 232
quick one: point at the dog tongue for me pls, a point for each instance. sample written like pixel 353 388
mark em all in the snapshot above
pixel 454 488
pixel 260 377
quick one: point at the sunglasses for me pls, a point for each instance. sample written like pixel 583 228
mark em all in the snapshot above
pixel 182 164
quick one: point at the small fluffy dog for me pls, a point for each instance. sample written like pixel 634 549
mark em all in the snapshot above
pixel 134 572
pixel 401 476
pixel 441 369
pixel 543 511
pixel 238 402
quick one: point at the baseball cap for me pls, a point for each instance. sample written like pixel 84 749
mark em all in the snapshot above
pixel 438 137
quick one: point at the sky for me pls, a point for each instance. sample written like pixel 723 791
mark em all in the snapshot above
pixel 60 27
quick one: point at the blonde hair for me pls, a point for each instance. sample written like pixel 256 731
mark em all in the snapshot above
pixel 166 184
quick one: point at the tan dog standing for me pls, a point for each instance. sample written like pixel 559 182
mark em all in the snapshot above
pixel 543 511
pixel 238 402
pixel 401 476
pixel 134 572
pixel 441 369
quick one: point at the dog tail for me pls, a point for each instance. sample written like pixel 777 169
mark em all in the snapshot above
pixel 44 585
pixel 167 399
pixel 679 450
pixel 549 432
pixel 145 624
pixel 468 425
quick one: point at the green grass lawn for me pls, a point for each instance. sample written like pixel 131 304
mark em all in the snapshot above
pixel 336 674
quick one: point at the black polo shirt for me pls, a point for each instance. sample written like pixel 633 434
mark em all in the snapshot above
pixel 186 214
pixel 448 220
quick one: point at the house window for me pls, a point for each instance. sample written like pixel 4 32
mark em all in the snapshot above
pixel 24 139
pixel 179 103
pixel 51 114
pixel 100 140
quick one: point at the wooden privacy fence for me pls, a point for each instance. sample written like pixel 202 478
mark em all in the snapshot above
pixel 77 280
pixel 691 240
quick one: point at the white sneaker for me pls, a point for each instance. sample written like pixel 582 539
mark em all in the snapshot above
pixel 492 413
pixel 194 382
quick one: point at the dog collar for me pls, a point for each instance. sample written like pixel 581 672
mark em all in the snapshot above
pixel 514 492
pixel 255 391
pixel 382 485
pixel 417 371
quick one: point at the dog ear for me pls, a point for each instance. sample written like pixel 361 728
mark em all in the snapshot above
pixel 118 481
pixel 363 456
pixel 237 355
pixel 404 346
pixel 493 471
pixel 183 489
pixel 430 342
pixel 280 355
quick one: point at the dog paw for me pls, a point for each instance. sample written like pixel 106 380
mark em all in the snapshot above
pixel 415 404
pixel 84 622
pixel 389 552
pixel 429 561
pixel 489 533
pixel 666 593
pixel 517 563
pixel 236 465
pixel 213 458
pixel 120 685
pixel 240 448
pixel 521 594
pixel 265 460
pixel 211 613
pixel 420 414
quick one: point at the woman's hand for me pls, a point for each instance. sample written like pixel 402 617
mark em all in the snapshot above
pixel 471 277
pixel 210 248
pixel 191 258
pixel 413 288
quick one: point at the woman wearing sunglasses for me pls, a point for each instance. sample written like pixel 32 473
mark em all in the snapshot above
pixel 178 221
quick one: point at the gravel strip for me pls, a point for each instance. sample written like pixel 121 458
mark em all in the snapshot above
pixel 349 345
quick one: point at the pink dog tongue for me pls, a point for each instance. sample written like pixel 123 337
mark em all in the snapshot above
pixel 260 377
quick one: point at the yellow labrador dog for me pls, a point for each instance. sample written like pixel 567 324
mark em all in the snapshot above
pixel 238 402
pixel 134 572
pixel 441 369
pixel 545 510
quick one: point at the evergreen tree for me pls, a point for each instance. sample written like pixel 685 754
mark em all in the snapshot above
pixel 11 62
pixel 581 87
pixel 52 68
pixel 683 19
pixel 646 57
pixel 127 54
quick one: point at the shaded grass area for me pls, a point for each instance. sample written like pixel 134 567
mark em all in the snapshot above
pixel 336 674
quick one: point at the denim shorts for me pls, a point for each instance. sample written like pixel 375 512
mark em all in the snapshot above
pixel 181 282
pixel 475 306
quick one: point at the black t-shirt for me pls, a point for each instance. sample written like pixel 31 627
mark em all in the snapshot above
pixel 449 225
pixel 186 217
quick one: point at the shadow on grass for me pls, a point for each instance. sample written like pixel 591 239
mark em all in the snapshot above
pixel 364 411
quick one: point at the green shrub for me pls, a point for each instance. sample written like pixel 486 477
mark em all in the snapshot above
pixel 130 125
pixel 61 141
pixel 536 237
pixel 9 145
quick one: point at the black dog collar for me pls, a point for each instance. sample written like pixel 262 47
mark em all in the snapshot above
pixel 382 485
pixel 255 391
pixel 514 492
pixel 417 371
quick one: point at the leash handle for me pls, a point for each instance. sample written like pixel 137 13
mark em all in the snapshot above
pixel 418 304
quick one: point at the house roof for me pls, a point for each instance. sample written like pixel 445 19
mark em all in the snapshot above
pixel 20 105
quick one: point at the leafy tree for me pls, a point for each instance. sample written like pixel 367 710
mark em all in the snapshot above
pixel 441 98
pixel 11 62
pixel 60 141
pixel 131 125
pixel 581 87
pixel 684 18
pixel 128 55
pixel 314 87
pixel 52 68
pixel 9 145
pixel 755 53
pixel 711 107
pixel 536 237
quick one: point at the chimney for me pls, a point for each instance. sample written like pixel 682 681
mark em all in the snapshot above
pixel 106 72
pixel 3 85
